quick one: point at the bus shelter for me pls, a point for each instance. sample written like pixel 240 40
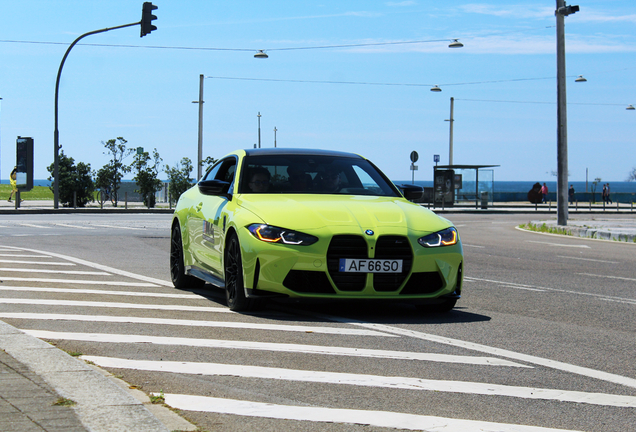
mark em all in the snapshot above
pixel 456 183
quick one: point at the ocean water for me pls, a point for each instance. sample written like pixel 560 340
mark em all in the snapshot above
pixel 525 186
pixel 500 186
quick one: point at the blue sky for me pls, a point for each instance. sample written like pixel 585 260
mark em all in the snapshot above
pixel 503 81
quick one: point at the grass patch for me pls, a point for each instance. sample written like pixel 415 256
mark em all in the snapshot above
pixel 158 399
pixel 37 193
pixel 64 402
pixel 543 228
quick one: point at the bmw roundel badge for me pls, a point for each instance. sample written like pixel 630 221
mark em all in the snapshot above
pixel 369 232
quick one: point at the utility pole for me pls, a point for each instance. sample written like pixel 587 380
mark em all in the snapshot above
pixel 562 123
pixel 259 129
pixel 275 130
pixel 200 147
pixel 450 133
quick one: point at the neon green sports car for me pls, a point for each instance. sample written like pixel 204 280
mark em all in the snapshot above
pixel 306 224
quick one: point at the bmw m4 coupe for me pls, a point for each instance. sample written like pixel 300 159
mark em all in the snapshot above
pixel 312 224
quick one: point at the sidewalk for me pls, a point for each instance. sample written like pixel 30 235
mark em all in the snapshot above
pixel 34 375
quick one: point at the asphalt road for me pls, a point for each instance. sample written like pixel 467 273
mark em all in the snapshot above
pixel 544 335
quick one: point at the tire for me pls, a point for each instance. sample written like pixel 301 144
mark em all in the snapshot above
pixel 446 306
pixel 234 285
pixel 180 279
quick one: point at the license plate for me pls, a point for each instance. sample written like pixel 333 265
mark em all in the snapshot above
pixel 370 265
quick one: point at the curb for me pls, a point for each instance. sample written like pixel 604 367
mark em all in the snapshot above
pixel 101 404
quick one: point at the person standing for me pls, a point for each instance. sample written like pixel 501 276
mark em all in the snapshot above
pixel 604 193
pixel 571 193
pixel 607 195
pixel 14 185
pixel 544 192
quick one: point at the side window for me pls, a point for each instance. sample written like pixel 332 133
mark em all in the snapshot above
pixel 223 170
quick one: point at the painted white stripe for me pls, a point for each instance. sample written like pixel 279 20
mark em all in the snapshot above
pixel 73 226
pixel 509 285
pixel 598 296
pixel 99 292
pixel 553 364
pixel 363 380
pixel 118 227
pixel 77 281
pixel 608 277
pixel 559 244
pixel 13 255
pixel 98 266
pixel 262 346
pixel 475 246
pixel 589 259
pixel 330 415
pixel 36 262
pixel 70 272
pixel 33 225
pixel 194 323
pixel 112 305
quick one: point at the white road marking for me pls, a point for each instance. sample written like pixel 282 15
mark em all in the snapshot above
pixel 597 296
pixel 475 246
pixel 36 262
pixel 521 287
pixel 559 244
pixel 384 419
pixel 77 281
pixel 70 272
pixel 112 305
pixel 98 266
pixel 118 227
pixel 34 225
pixel 608 277
pixel 73 226
pixel 589 259
pixel 553 364
pixel 364 380
pixel 99 292
pixel 13 255
pixel 268 346
pixel 195 323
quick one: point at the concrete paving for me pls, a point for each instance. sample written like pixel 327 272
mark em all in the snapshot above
pixel 34 375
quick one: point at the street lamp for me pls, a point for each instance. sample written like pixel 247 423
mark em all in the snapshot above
pixel 581 78
pixel 259 129
pixel 455 44
pixel 630 107
pixel 436 89
pixel 200 148
pixel 562 124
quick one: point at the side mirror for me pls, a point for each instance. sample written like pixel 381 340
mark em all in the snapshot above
pixel 213 187
pixel 411 192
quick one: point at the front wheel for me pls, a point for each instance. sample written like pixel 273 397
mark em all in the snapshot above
pixel 178 275
pixel 234 285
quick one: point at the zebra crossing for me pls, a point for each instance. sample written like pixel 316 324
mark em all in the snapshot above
pixel 264 365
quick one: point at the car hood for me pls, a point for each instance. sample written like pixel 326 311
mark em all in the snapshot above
pixel 308 212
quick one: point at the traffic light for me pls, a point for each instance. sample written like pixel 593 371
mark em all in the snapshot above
pixel 146 18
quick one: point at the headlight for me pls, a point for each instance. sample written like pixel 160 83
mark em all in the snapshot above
pixel 272 234
pixel 447 237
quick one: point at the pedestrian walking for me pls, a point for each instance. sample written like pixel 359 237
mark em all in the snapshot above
pixel 604 193
pixel 544 192
pixel 13 180
pixel 607 194
pixel 571 193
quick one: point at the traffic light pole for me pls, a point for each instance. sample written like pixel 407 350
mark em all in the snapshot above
pixel 56 134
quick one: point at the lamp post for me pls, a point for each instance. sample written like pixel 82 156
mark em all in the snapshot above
pixel 275 130
pixel 562 124
pixel 259 129
pixel 200 147
pixel 450 133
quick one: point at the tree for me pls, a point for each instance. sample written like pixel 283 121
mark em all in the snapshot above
pixel 208 162
pixel 75 181
pixel 179 178
pixel 110 175
pixel 147 170
pixel 632 175
pixel 596 181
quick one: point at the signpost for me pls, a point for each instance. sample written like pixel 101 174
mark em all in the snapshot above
pixel 414 158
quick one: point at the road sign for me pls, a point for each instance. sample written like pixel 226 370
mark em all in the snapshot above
pixel 414 156
pixel 435 158
pixel 413 167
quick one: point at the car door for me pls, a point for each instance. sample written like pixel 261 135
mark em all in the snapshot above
pixel 206 225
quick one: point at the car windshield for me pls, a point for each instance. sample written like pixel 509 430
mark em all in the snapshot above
pixel 312 174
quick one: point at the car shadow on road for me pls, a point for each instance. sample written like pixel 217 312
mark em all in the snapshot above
pixel 380 311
